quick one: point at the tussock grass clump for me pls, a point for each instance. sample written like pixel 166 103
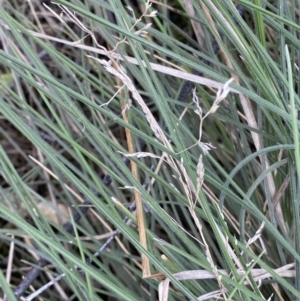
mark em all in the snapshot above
pixel 149 150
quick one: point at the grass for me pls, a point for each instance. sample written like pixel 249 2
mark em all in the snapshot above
pixel 91 112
